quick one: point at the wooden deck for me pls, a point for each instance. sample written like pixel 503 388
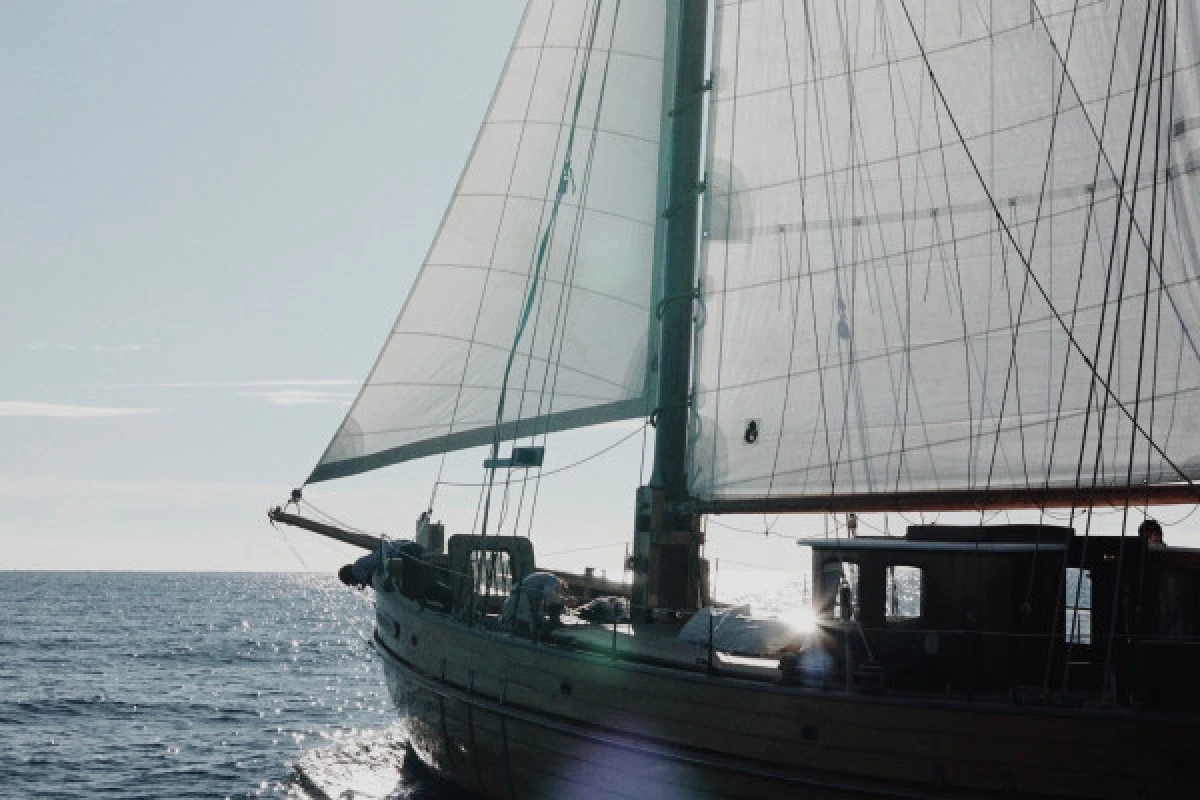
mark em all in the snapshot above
pixel 658 644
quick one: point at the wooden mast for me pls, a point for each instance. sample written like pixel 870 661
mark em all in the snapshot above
pixel 666 558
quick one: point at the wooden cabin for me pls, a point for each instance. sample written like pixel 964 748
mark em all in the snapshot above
pixel 1037 612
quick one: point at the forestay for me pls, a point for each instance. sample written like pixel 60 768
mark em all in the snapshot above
pixel 920 271
pixel 583 356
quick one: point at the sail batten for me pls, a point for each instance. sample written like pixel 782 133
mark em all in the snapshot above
pixel 578 108
pixel 935 241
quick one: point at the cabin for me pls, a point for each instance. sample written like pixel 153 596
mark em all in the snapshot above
pixel 1034 611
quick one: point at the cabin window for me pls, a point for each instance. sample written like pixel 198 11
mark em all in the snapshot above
pixel 1077 622
pixel 903 592
pixel 497 572
pixel 839 576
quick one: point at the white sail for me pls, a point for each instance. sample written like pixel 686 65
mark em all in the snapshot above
pixel 907 280
pixel 583 355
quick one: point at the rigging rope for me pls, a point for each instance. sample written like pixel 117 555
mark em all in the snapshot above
pixel 562 312
pixel 1088 228
pixel 586 548
pixel 362 600
pixel 1112 265
pixel 640 430
pixel 332 519
pixel 1110 393
pixel 1162 56
pixel 1167 190
pixel 563 186
pixel 495 244
pixel 1012 364
pixel 1046 171
pixel 529 281
pixel 733 112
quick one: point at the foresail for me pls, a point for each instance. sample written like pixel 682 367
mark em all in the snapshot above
pixel 949 246
pixel 583 83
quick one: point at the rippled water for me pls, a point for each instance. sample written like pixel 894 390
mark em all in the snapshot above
pixel 151 685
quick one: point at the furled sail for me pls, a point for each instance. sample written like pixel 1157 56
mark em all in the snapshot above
pixel 950 246
pixel 578 107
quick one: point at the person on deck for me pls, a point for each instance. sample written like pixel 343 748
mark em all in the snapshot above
pixel 360 573
pixel 542 591
pixel 1151 531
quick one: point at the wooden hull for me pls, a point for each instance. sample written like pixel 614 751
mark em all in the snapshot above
pixel 510 718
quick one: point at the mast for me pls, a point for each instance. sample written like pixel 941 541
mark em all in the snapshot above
pixel 668 571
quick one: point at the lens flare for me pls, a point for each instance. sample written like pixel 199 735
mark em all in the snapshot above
pixel 803 620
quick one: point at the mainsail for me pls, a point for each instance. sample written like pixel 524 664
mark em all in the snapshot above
pixel 555 210
pixel 950 246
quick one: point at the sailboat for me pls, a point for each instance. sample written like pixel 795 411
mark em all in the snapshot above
pixel 847 257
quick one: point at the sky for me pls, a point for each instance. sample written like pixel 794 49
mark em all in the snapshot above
pixel 210 214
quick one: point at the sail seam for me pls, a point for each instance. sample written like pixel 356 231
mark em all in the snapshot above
pixel 880 262
pixel 931 212
pixel 617 52
pixel 874 355
pixel 545 123
pixel 940 443
pixel 536 199
pixel 907 155
pixel 556 281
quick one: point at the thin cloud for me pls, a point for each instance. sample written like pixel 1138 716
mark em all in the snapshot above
pixel 282 384
pixel 171 492
pixel 301 397
pixel 302 392
pixel 87 348
pixel 12 408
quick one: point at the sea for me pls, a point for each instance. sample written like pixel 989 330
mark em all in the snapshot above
pixel 159 685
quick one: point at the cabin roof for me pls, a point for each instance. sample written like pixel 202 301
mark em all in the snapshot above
pixel 898 545
pixel 1019 538
pixel 1020 532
